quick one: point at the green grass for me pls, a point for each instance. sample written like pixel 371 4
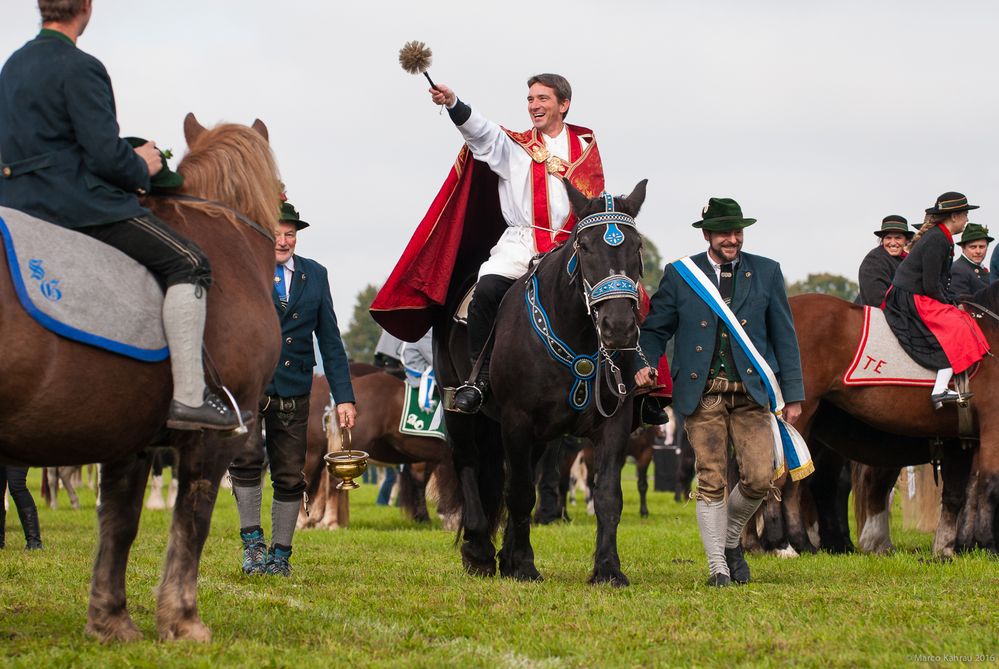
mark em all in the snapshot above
pixel 385 593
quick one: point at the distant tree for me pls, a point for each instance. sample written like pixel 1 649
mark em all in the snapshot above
pixel 653 266
pixel 363 333
pixel 827 284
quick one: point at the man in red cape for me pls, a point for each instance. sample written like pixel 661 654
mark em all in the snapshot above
pixel 504 200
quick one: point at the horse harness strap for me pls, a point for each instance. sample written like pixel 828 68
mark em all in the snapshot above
pixel 190 198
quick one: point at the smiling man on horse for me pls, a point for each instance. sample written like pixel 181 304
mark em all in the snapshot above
pixel 62 160
pixel 532 216
pixel 725 307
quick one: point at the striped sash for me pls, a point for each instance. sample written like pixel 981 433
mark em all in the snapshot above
pixel 790 450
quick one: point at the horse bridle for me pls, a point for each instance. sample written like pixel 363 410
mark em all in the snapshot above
pixel 610 287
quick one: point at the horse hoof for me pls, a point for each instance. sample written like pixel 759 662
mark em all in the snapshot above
pixel 117 628
pixel 644 513
pixel 478 568
pixel 524 573
pixel 617 580
pixel 186 630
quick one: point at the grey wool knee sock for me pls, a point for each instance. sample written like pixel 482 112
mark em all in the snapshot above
pixel 712 519
pixel 184 325
pixel 284 515
pixel 740 510
pixel 248 502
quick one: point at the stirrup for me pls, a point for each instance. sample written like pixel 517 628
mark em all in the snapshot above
pixel 468 386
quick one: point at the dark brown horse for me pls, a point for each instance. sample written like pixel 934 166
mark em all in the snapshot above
pixel 63 403
pixel 828 333
pixel 640 444
pixel 379 400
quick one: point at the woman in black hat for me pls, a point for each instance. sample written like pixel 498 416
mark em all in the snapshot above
pixel 878 268
pixel 919 306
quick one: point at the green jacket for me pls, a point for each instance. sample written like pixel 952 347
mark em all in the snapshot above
pixel 759 301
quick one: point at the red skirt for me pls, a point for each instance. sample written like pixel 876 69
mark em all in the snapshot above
pixel 959 335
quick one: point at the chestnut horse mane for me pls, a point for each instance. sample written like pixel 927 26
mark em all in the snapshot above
pixel 233 164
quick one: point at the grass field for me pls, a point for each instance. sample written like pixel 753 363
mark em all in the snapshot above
pixel 385 593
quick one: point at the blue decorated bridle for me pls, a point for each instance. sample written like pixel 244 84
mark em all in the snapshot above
pixel 586 368
pixel 615 285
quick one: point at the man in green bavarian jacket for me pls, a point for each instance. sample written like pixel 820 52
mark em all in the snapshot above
pixel 62 160
pixel 715 386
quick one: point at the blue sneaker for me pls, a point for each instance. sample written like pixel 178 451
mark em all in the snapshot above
pixel 277 561
pixel 254 552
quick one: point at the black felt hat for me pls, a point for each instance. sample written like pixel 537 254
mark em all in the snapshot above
pixel 951 203
pixel 894 223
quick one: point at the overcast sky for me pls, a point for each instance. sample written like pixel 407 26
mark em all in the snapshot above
pixel 819 118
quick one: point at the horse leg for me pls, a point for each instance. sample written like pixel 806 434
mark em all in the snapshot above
pixel 201 462
pixel 122 486
pixel 66 476
pixel 825 487
pixel 874 486
pixel 609 444
pixel 794 522
pixel 986 525
pixel 413 494
pixel 968 515
pixel 50 491
pixel 642 470
pixel 478 555
pixel 516 557
pixel 955 469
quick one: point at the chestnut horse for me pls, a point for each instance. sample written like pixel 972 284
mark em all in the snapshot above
pixel 379 400
pixel 64 403
pixel 828 334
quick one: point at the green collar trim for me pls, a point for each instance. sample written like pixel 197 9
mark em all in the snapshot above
pixel 46 32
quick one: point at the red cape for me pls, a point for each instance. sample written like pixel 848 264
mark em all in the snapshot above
pixel 443 252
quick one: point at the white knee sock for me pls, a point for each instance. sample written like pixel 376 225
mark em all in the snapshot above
pixel 740 510
pixel 712 519
pixel 943 378
pixel 184 324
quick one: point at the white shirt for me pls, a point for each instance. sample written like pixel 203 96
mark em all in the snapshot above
pixel 489 143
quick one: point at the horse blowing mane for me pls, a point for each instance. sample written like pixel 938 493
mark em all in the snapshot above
pixel 233 165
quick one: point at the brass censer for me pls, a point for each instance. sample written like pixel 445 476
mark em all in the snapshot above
pixel 346 464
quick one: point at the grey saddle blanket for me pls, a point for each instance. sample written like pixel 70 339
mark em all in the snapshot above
pixel 83 289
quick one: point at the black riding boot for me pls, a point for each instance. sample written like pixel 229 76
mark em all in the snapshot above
pixel 489 292
pixel 29 521
pixel 653 412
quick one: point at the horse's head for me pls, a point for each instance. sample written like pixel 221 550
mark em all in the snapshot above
pixel 607 262
pixel 233 164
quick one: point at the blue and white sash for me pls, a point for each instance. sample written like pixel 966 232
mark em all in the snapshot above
pixel 790 450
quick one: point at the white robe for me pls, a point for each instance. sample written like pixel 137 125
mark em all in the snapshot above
pixel 489 143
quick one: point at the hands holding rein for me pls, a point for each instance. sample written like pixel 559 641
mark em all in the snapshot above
pixel 645 378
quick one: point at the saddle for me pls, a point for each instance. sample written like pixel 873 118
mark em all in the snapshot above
pixel 83 289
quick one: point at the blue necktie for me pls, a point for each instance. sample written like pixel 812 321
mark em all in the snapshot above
pixel 282 290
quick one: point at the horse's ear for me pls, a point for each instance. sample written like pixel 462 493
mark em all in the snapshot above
pixel 192 129
pixel 637 197
pixel 578 201
pixel 259 126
